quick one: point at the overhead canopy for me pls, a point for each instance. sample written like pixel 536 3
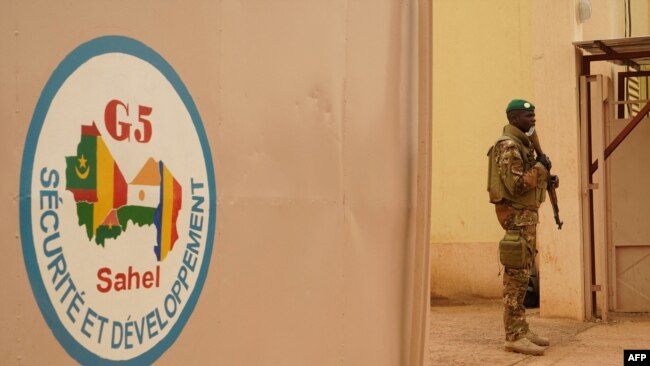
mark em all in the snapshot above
pixel 632 52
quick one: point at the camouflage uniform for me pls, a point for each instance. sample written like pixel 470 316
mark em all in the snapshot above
pixel 518 180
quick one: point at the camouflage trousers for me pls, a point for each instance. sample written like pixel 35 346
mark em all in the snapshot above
pixel 515 284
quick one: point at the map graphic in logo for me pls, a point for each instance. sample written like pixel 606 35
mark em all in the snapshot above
pixel 117 204
pixel 104 205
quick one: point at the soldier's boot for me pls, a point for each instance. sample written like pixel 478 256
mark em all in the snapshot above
pixel 538 340
pixel 523 345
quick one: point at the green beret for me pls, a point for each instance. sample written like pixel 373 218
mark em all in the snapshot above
pixel 520 104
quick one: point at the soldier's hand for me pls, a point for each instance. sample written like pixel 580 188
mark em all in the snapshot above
pixel 544 160
pixel 555 181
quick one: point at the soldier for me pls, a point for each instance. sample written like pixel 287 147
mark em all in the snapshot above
pixel 517 186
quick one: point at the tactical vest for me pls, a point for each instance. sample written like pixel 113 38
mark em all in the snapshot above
pixel 498 191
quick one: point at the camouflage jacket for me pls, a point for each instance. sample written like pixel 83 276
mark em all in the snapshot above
pixel 515 179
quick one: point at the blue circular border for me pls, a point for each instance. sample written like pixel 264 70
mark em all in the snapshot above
pixel 86 51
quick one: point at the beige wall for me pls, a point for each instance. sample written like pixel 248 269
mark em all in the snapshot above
pixel 486 53
pixel 560 251
pixel 479 53
pixel 307 107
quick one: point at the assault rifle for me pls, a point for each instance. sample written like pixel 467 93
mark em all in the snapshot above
pixel 553 180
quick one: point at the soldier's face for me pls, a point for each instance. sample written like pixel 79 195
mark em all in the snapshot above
pixel 525 120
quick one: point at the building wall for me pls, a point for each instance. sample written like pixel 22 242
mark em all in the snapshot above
pixel 560 254
pixel 480 50
pixel 554 72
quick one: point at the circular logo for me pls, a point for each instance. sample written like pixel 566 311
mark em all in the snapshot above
pixel 117 203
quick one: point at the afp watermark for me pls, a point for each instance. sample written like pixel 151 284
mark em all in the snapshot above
pixel 636 357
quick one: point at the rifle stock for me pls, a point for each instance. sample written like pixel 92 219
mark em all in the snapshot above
pixel 551 185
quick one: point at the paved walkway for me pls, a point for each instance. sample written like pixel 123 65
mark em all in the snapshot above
pixel 471 333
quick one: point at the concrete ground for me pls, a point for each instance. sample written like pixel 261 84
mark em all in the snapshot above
pixel 471 333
